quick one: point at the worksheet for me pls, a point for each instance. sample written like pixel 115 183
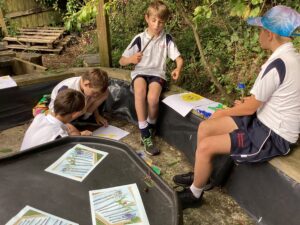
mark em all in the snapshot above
pixel 29 215
pixel 118 205
pixel 77 162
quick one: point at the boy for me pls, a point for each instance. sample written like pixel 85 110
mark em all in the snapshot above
pixel 148 51
pixel 94 85
pixel 68 105
pixel 263 125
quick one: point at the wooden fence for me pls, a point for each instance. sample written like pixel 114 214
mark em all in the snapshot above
pixel 27 13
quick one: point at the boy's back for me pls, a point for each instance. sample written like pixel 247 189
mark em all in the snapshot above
pixel 44 128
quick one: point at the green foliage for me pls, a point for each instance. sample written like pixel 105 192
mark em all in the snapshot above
pixel 230 46
pixel 80 13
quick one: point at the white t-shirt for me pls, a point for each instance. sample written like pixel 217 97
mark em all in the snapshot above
pixel 43 129
pixel 72 83
pixel 154 56
pixel 278 87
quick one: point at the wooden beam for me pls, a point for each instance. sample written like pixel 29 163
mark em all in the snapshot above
pixel 2 24
pixel 103 35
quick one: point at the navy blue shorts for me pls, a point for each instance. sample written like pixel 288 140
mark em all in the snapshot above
pixel 149 80
pixel 255 142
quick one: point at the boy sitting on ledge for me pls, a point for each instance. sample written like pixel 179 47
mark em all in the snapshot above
pixel 263 125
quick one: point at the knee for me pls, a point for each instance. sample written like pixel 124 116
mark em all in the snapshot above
pixel 152 99
pixel 202 129
pixel 139 93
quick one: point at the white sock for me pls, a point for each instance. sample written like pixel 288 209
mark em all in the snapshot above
pixel 151 121
pixel 143 124
pixel 87 115
pixel 196 191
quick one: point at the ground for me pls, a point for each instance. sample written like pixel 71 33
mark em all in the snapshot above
pixel 217 208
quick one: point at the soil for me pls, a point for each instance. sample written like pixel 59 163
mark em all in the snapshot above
pixel 217 207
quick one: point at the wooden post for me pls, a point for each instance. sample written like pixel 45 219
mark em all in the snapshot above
pixel 103 35
pixel 2 23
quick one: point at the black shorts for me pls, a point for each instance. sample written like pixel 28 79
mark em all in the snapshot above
pixel 255 142
pixel 149 80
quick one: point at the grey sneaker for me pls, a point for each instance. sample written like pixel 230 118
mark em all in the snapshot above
pixel 150 149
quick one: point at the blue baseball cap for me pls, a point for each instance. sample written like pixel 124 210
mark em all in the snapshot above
pixel 281 20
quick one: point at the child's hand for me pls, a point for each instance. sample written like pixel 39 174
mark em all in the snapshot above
pixel 101 120
pixel 175 74
pixel 136 58
pixel 86 133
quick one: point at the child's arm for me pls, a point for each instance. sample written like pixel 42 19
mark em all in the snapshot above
pixel 134 59
pixel 100 119
pixel 179 64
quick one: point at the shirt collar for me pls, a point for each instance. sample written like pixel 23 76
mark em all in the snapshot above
pixel 281 50
pixel 149 37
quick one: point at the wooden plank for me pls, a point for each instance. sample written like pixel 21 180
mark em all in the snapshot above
pixel 43 29
pixel 33 40
pixel 53 38
pixel 36 48
pixel 31 64
pixel 39 33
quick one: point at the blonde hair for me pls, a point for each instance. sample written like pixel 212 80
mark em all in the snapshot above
pixel 159 9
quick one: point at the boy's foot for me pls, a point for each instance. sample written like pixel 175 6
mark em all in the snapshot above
pixel 187 199
pixel 152 134
pixel 150 148
pixel 184 180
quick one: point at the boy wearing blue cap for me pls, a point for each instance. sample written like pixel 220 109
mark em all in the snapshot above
pixel 264 124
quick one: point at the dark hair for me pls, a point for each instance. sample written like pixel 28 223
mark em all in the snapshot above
pixel 97 78
pixel 68 101
pixel 161 9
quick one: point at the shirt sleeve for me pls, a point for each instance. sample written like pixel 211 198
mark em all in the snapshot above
pixel 173 51
pixel 266 85
pixel 133 47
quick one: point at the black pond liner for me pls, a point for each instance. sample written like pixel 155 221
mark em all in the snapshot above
pixel 24 182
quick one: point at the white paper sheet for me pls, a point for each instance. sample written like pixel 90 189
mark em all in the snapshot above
pixel 110 132
pixel 77 162
pixel 176 103
pixel 32 216
pixel 183 103
pixel 118 205
pixel 7 82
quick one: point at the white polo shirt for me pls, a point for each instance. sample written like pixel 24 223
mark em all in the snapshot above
pixel 154 56
pixel 278 87
pixel 43 129
pixel 72 83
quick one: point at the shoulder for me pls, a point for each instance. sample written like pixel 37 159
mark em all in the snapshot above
pixel 279 66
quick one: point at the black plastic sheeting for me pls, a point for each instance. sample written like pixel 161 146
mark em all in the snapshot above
pixel 24 182
pixel 16 103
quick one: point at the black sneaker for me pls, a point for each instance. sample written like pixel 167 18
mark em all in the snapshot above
pixel 187 199
pixel 149 147
pixel 184 180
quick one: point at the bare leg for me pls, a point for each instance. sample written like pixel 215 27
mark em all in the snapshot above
pixel 213 138
pixel 140 88
pixel 153 99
